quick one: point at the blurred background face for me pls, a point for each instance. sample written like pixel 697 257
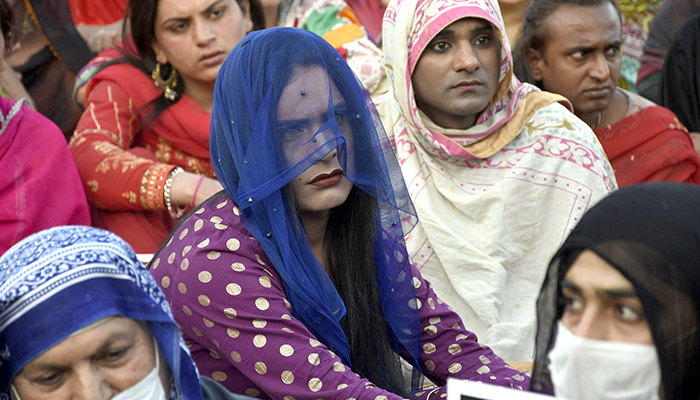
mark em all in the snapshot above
pixel 601 304
pixel 582 55
pixel 457 74
pixel 195 36
pixel 299 116
pixel 95 364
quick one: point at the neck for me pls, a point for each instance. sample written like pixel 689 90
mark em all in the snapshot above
pixel 271 15
pixel 315 224
pixel 591 119
pixel 513 16
pixel 202 94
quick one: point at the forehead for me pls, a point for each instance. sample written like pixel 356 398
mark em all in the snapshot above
pixel 466 26
pixel 589 271
pixel 313 81
pixel 587 26
pixel 183 8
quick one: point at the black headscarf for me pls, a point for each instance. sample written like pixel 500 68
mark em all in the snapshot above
pixel 680 78
pixel 651 234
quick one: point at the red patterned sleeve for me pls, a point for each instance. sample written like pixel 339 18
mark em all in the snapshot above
pixel 116 175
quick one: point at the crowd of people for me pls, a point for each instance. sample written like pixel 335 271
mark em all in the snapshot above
pixel 314 199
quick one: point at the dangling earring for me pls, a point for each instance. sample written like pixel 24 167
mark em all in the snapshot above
pixel 166 86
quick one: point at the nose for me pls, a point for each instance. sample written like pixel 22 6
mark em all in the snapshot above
pixel 330 156
pixel 465 58
pixel 203 33
pixel 591 325
pixel 599 68
pixel 90 384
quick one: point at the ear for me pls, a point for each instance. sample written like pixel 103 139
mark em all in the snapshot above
pixel 160 54
pixel 536 61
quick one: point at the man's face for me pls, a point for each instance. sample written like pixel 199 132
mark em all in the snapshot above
pixel 581 56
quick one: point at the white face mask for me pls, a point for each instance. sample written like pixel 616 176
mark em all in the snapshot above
pixel 148 388
pixel 587 369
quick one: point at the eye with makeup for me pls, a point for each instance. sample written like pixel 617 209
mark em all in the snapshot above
pixel 218 13
pixel 440 46
pixel 483 41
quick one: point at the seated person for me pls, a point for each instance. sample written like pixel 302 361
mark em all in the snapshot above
pixel 294 282
pixel 670 16
pixel 39 186
pixel 680 86
pixel 80 318
pixel 573 48
pixel 620 307
pixel 499 171
pixel 142 144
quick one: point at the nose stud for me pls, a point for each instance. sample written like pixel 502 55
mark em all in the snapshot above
pixel 303 92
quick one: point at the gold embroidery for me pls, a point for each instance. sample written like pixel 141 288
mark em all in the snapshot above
pixel 163 150
pixel 131 196
pixel 93 185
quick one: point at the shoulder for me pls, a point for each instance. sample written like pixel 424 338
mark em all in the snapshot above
pixel 635 102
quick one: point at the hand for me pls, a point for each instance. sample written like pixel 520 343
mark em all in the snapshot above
pixel 696 141
pixel 184 185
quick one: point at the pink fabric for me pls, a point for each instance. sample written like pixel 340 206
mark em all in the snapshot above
pixel 39 184
pixel 370 14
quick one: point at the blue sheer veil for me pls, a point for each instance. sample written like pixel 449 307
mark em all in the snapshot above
pixel 255 158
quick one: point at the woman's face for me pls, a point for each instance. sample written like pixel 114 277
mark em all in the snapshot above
pixel 301 111
pixel 457 74
pixel 95 364
pixel 600 303
pixel 195 36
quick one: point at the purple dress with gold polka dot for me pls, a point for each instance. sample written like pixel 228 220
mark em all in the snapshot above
pixel 232 310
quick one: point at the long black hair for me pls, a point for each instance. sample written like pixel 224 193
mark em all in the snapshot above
pixel 533 32
pixel 139 53
pixel 7 19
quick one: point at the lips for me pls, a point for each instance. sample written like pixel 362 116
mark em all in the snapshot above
pixel 467 85
pixel 212 58
pixel 598 92
pixel 330 179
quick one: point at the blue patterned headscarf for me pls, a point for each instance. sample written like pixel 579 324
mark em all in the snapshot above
pixel 63 279
pixel 249 161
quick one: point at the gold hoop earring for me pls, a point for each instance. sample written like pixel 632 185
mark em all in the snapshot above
pixel 167 86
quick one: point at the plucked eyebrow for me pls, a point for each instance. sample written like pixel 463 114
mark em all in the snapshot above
pixel 184 19
pixel 341 106
pixel 106 344
pixel 621 292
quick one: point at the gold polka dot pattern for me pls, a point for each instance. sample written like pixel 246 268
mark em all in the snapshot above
pixel 219 376
pixel 315 384
pixel 259 341
pixel 233 244
pixel 314 342
pixel 165 282
pixel 454 349
pixel 197 331
pixel 314 359
pixel 221 205
pixel 483 370
pixel 233 289
pixel 233 332
pixel 198 225
pixel 342 386
pixel 171 258
pixel 238 267
pixel 265 282
pixel 235 356
pixel 286 350
pixel 262 304
pixel 434 320
pixel 230 313
pixel 182 288
pixel 186 250
pixel 260 261
pixel 187 311
pixel 155 263
pixel 204 243
pixel 204 300
pixel 454 368
pixel 430 365
pixel 429 348
pixel 216 220
pixel 338 367
pixel 287 377
pixel 260 368
pixel 183 233
pixel 259 323
pixel 213 255
pixel 209 323
pixel 252 392
pixel 204 276
pixel 184 264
